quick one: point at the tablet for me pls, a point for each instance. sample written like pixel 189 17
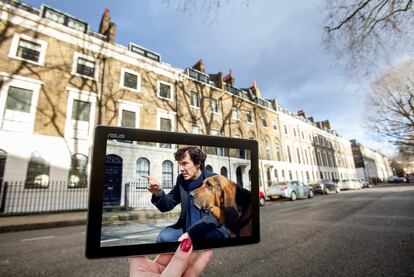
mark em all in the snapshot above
pixel 149 187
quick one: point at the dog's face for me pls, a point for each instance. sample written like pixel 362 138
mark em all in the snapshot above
pixel 215 191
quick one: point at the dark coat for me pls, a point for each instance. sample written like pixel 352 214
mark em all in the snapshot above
pixel 166 202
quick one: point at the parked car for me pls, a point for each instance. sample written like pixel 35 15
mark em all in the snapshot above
pixel 325 187
pixel 410 179
pixel 403 180
pixel 364 184
pixel 393 179
pixel 289 189
pixel 262 198
pixel 349 184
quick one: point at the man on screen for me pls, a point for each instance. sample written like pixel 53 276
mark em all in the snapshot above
pixel 197 223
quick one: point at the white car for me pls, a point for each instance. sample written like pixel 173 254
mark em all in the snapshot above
pixel 350 184
pixel 289 189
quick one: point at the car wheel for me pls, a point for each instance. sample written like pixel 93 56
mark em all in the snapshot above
pixel 293 196
pixel 327 191
pixel 261 201
pixel 338 190
pixel 310 193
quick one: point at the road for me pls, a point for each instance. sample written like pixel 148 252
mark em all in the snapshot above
pixel 368 232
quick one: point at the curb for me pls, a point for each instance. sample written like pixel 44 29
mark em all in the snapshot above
pixel 41 225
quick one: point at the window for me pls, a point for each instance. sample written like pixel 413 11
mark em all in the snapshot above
pixel 81 111
pixel 223 171
pixel 307 175
pixel 283 173
pixel 195 99
pixel 264 122
pixel 285 128
pixel 303 135
pixel 298 154
pixel 209 168
pixel 325 160
pixel 130 80
pixel 28 49
pixel 214 105
pixel 195 129
pixel 17 109
pixel 294 132
pixel 274 125
pixel 249 117
pixel 268 151
pixel 217 150
pixel 129 114
pixel 276 175
pixel 165 125
pixel 289 156
pixel 128 119
pixel 78 176
pixel 167 175
pixel 235 113
pixel 80 115
pixel 37 175
pixel 18 105
pixel 290 175
pixel 330 162
pixel 143 168
pixel 85 66
pixel 306 157
pixel 319 158
pixel 165 90
pixel 278 154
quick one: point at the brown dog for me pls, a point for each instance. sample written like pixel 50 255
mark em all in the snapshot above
pixel 229 203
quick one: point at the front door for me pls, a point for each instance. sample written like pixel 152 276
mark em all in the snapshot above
pixel 113 180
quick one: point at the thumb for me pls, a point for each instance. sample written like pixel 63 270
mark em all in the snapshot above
pixel 181 259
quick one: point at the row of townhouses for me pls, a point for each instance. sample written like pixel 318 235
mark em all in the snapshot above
pixel 370 164
pixel 59 80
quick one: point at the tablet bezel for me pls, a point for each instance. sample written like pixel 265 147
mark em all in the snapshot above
pixel 93 233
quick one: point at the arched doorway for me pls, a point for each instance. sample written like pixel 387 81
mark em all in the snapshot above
pixel 239 176
pixel 112 180
pixel 223 171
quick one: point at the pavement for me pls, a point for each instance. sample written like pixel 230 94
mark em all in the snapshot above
pixel 43 221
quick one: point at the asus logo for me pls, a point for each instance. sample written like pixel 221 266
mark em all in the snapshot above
pixel 116 136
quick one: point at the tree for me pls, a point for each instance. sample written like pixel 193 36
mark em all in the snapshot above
pixel 366 30
pixel 390 105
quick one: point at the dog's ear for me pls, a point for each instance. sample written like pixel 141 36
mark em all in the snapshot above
pixel 229 193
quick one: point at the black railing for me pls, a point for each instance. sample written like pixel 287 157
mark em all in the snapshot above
pixel 15 198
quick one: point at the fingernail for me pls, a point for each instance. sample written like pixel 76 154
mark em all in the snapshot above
pixel 186 244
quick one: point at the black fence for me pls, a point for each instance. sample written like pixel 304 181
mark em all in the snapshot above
pixel 16 197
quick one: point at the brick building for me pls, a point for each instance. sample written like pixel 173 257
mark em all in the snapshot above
pixel 59 79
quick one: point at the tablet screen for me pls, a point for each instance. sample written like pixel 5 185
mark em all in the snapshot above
pixel 148 188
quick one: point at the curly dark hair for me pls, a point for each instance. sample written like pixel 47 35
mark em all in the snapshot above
pixel 197 155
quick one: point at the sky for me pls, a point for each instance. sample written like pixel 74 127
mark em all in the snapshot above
pixel 277 43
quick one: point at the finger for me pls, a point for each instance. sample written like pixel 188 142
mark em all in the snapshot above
pixel 146 177
pixel 135 262
pixel 184 236
pixel 179 262
pixel 163 259
pixel 197 267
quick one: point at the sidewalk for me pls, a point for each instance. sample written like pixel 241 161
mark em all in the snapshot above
pixel 41 221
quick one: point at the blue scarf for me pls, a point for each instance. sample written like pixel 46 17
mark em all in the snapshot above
pixel 193 213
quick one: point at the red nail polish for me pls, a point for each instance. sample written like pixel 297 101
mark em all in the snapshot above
pixel 186 244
